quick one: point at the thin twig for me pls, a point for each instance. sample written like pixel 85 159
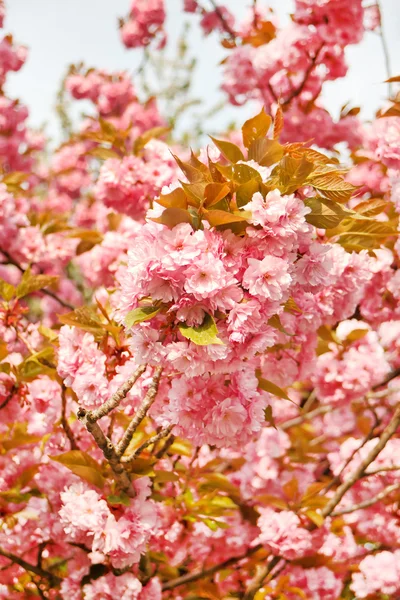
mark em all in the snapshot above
pixel 320 410
pixel 152 440
pixel 64 420
pixel 367 503
pixel 385 48
pixel 307 74
pixel 140 413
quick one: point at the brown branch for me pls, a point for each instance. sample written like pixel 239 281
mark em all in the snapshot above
pixel 53 579
pixel 367 503
pixel 387 433
pixel 152 440
pixel 108 449
pixel 140 414
pixel 189 577
pixel 63 303
pixel 64 420
pixel 116 399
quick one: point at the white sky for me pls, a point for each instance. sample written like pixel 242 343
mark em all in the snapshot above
pixel 60 32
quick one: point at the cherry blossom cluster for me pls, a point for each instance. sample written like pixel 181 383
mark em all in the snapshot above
pixel 199 350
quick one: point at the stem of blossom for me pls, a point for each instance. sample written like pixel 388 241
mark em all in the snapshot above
pixel 387 433
pixel 63 303
pixel 224 23
pixel 366 503
pixel 116 399
pixel 189 577
pixel 64 421
pixel 152 440
pixel 108 449
pixel 307 74
pixel 140 414
pixel 385 48
pixel 53 579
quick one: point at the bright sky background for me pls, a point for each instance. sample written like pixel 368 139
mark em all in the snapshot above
pixel 60 32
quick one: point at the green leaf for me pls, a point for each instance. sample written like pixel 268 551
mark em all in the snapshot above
pixel 221 217
pixel 255 128
pixel 33 283
pixel 143 313
pixel 265 152
pixel 173 216
pixel 215 192
pixel 333 186
pixel 102 153
pixel 120 499
pixel 83 465
pixel 202 335
pixel 231 152
pixel 7 291
pixel 148 135
pixel 195 192
pixel 85 318
pixel 292 173
pixel 175 199
pixel 325 214
pixel 371 207
pixel 269 417
pixel 275 322
pixel 278 123
pixel 193 174
pixel 270 387
pixel 246 191
pixel 239 173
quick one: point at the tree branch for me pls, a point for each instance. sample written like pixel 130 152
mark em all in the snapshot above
pixel 366 503
pixel 116 399
pixel 320 410
pixel 190 577
pixel 53 579
pixel 140 414
pixel 108 449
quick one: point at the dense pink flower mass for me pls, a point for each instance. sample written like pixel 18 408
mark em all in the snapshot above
pixel 199 349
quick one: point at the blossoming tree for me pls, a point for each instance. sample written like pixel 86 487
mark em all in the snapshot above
pixel 200 355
